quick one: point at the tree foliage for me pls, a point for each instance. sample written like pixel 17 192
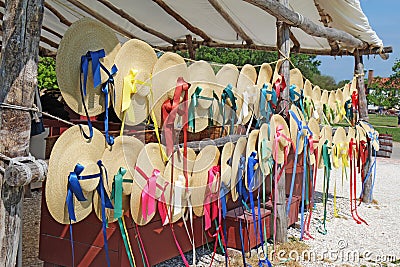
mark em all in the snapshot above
pixel 47 74
pixel 325 82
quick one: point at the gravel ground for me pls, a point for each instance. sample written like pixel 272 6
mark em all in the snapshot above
pixel 345 244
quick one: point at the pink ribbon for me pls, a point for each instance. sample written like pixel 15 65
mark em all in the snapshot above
pixel 149 192
pixel 211 206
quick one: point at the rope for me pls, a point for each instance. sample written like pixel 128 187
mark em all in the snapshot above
pixel 34 109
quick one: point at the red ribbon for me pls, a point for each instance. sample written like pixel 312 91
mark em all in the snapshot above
pixel 210 204
pixel 149 192
pixel 354 100
pixel 280 85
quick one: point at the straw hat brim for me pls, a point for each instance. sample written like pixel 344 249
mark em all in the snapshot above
pixel 277 120
pixel 324 97
pixel 314 128
pixel 240 149
pixel 228 74
pixel 178 171
pixel 138 55
pixel 123 153
pixel 308 90
pixel 149 159
pixel 226 169
pixel 264 74
pixel 168 68
pixel 72 148
pixel 276 75
pixel 296 78
pixel 208 157
pixel 82 36
pixel 253 103
pixel 263 159
pixel 247 77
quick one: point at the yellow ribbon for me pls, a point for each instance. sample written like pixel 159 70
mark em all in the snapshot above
pixel 340 152
pixel 129 88
pixel 153 118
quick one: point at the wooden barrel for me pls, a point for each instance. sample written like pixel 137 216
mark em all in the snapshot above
pixel 385 145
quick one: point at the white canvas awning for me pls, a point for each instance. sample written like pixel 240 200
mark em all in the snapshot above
pixel 224 23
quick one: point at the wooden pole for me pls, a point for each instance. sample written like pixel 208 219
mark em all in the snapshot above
pixel 283 44
pixel 362 98
pixel 363 112
pixel 18 71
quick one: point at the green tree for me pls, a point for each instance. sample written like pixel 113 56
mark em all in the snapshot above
pixel 47 79
pixel 342 83
pixel 324 81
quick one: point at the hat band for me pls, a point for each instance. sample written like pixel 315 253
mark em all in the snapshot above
pixel 194 104
pixel 227 93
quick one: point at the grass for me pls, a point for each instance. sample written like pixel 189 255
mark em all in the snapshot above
pixel 385 124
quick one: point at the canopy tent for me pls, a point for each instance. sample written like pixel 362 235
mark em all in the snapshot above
pixel 167 24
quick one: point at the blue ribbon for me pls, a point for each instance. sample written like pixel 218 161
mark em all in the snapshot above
pixel 240 187
pixel 300 128
pixel 94 57
pixel 105 90
pixel 293 94
pixel 266 108
pixel 227 93
pixel 74 189
pixel 194 103
pixel 105 203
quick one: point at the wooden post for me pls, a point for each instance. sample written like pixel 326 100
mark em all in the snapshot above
pixel 18 71
pixel 283 44
pixel 363 112
pixel 362 98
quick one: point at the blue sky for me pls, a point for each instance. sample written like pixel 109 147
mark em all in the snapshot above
pixel 384 18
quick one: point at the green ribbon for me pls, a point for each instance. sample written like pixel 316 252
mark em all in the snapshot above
pixel 116 195
pixel 228 94
pixel 327 174
pixel 194 103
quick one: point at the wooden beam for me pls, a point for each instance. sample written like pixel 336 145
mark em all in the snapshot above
pixel 138 24
pixel 326 20
pixel 183 21
pixel 44 52
pixel 49 42
pixel 101 18
pixel 47 29
pixel 53 10
pixel 296 43
pixel 295 19
pixel 218 7
pixel 18 80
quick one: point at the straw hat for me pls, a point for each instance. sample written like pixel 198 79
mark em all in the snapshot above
pixel 178 180
pixel 82 36
pixel 123 153
pixel 333 106
pixel 353 86
pixel 252 146
pixel 308 89
pixel 346 92
pixel 205 160
pixel 324 97
pixel 296 78
pixel 294 128
pixel 278 121
pixel 168 68
pixel 264 74
pixel 326 134
pixel 314 128
pixel 228 74
pixel 276 75
pixel 148 160
pixel 264 153
pixel 240 150
pixel 70 149
pixel 253 104
pixel 247 79
pixel 351 134
pixel 361 134
pixel 339 140
pixel 226 163
pixel 371 132
pixel 139 56
pixel 202 75
pixel 316 98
